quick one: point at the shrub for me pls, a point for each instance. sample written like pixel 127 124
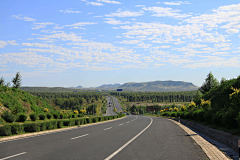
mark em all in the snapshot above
pixel 186 115
pixel 63 116
pixel 5 130
pixel 17 128
pixel 75 112
pixel 59 124
pixel 73 116
pixel 89 120
pixel 9 117
pixel 192 105
pixel 205 105
pixel 49 125
pixel 33 116
pixel 22 117
pixel 49 115
pixel 55 115
pixel 183 108
pixel 230 118
pixel 68 122
pixel 80 115
pixel 54 124
pixel 45 109
pixel 217 118
pixel 94 120
pixel 77 121
pixel 42 126
pixel 200 114
pixel 31 127
pixel 42 116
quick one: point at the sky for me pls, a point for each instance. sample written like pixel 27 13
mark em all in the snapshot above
pixel 59 43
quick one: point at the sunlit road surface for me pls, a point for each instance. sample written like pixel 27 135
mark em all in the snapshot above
pixel 133 137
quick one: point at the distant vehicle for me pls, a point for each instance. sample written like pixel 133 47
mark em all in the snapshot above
pixel 127 113
pixel 109 102
pixel 133 113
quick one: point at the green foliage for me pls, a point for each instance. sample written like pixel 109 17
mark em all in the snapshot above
pixel 56 115
pixel 210 82
pixel 42 126
pixel 59 123
pixel 22 117
pixel 17 80
pixel 33 116
pixel 9 117
pixel 31 127
pixel 17 128
pixel 42 116
pixel 230 118
pixel 49 115
pixel 5 130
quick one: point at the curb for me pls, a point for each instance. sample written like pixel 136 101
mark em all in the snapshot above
pixel 27 135
pixel 212 152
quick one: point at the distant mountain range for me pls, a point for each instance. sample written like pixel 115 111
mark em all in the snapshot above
pixel 156 86
pixel 159 86
pixel 109 85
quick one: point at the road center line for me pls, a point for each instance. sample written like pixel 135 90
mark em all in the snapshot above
pixel 80 136
pixel 107 128
pixel 125 145
pixel 13 155
pixel 128 122
pixel 120 124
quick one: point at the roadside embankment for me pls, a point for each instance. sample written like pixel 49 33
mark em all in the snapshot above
pixel 223 137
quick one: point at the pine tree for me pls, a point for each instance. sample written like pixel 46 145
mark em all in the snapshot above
pixel 17 80
pixel 209 83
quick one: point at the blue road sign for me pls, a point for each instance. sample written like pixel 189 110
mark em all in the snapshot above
pixel 119 89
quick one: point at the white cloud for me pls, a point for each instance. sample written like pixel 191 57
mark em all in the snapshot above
pixel 30 59
pixel 3 44
pixel 166 12
pixel 93 3
pixel 41 25
pixel 130 42
pixel 223 17
pixel 120 13
pixel 23 18
pixel 109 1
pixel 140 5
pixel 69 11
pixel 192 45
pixel 13 42
pixel 80 24
pixel 232 30
pixel 176 3
pixel 114 21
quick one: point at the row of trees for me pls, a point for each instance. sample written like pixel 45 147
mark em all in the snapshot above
pixel 184 96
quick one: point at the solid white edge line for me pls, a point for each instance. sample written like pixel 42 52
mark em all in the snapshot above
pixel 126 144
pixel 80 136
pixel 107 128
pixel 13 155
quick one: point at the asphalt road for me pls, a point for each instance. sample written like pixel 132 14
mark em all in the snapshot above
pixel 133 137
pixel 116 104
pixel 110 108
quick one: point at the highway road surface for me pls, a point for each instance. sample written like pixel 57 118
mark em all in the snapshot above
pixel 117 104
pixel 133 137
pixel 110 108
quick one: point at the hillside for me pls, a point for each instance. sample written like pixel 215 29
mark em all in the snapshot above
pixel 162 86
pixel 109 85
pixel 52 89
pixel 18 101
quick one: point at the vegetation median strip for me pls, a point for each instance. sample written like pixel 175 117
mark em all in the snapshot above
pixel 13 156
pixel 80 136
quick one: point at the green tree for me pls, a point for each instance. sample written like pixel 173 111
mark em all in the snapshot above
pixel 2 82
pixel 210 82
pixel 17 80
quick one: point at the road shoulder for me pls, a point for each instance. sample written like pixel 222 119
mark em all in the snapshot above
pixel 211 151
